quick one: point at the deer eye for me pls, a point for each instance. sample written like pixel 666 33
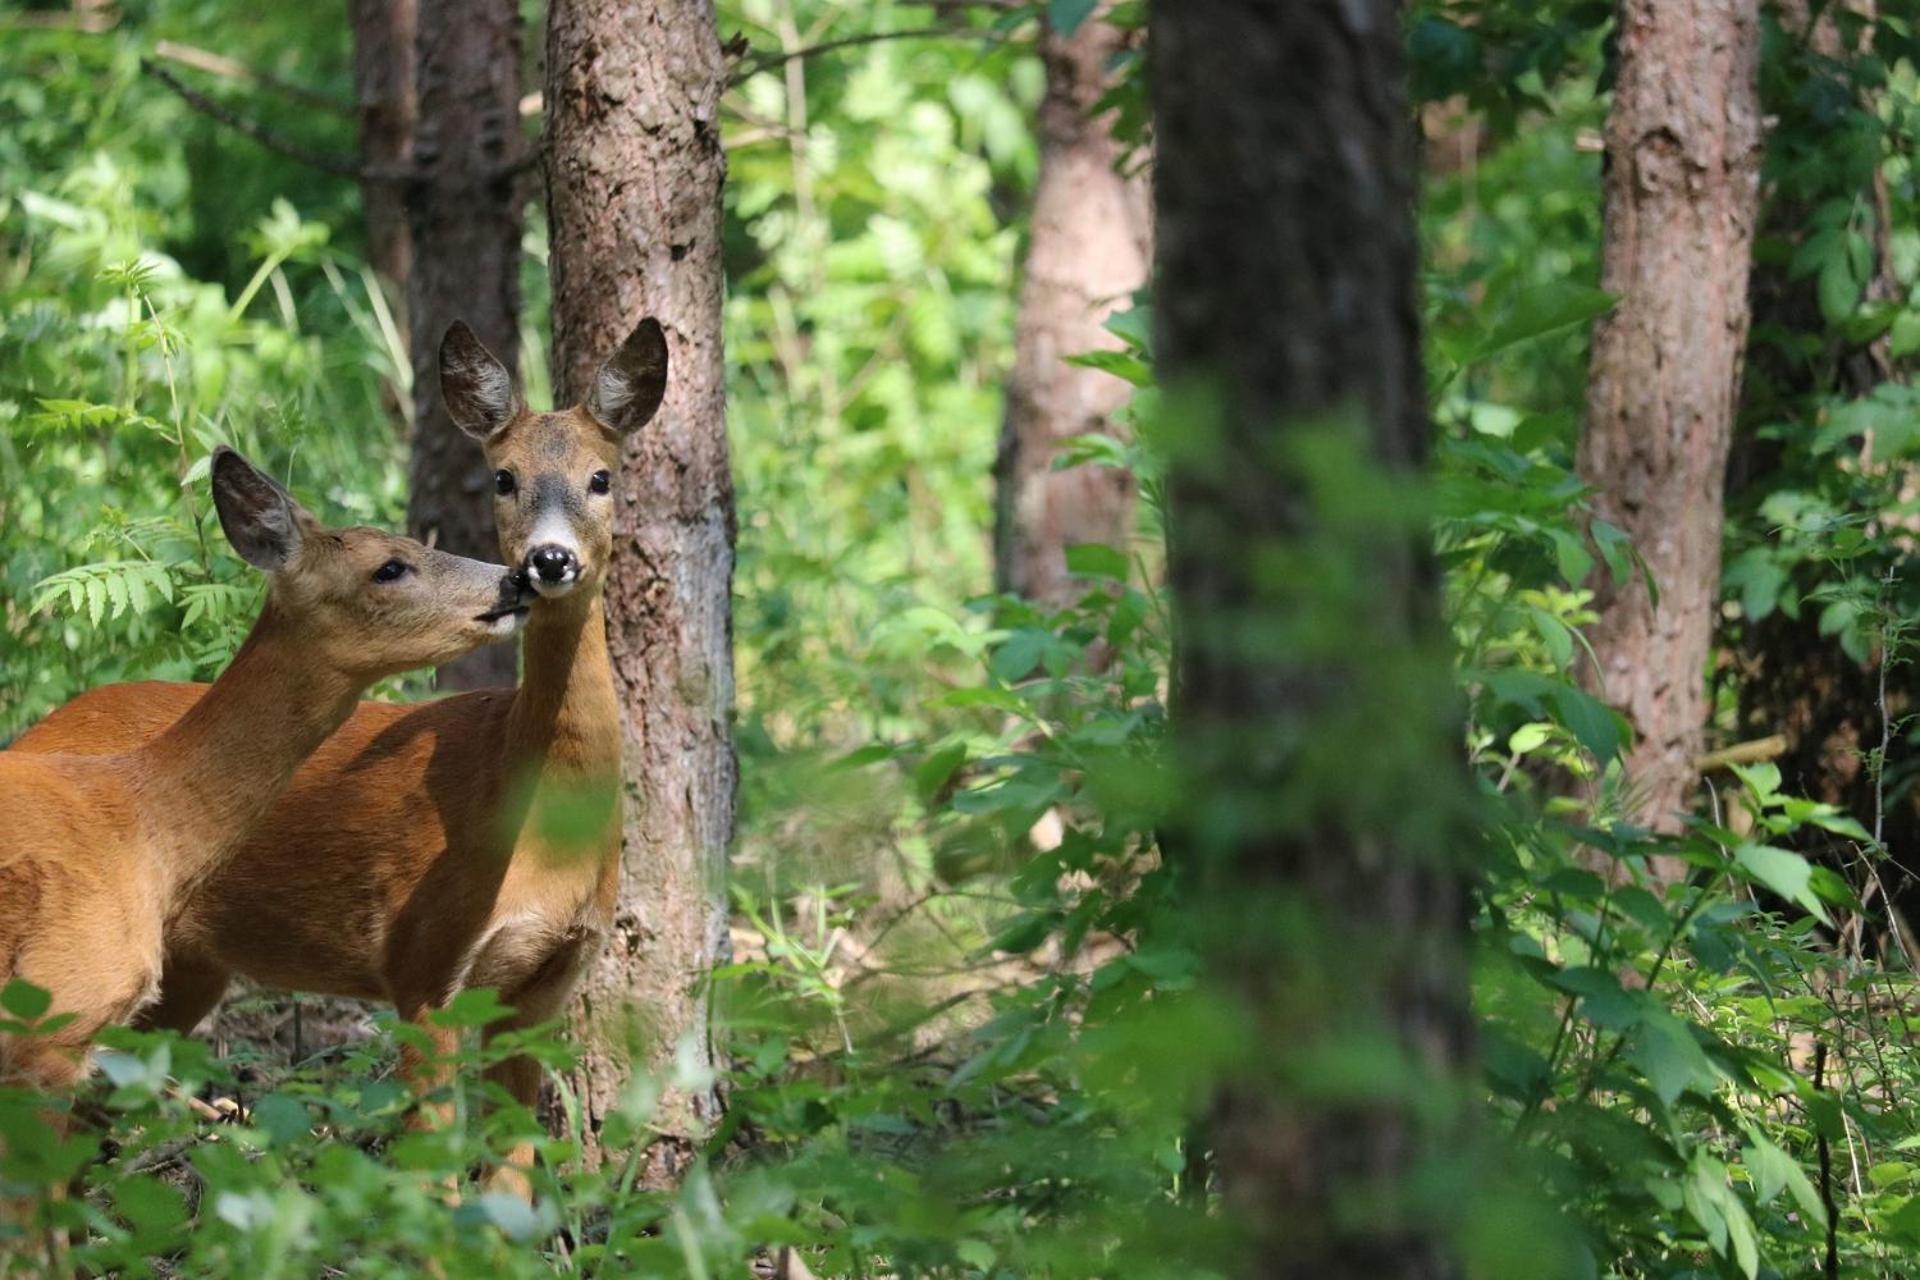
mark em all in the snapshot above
pixel 391 571
pixel 600 482
pixel 503 482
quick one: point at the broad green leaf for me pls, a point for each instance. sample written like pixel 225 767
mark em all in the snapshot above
pixel 1668 1055
pixel 1543 310
pixel 1065 16
pixel 1784 872
pixel 24 1000
pixel 1097 560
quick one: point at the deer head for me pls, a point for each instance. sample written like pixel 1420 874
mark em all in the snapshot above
pixel 366 603
pixel 553 472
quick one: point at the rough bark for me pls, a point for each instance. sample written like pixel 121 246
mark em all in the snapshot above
pixel 1683 141
pixel 465 221
pixel 383 33
pixel 634 180
pixel 1087 253
pixel 1306 617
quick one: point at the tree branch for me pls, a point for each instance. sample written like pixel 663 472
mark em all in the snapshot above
pixel 753 66
pixel 326 162
pixel 219 64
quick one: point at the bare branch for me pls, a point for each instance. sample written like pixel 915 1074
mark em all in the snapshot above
pixel 754 65
pixel 219 64
pixel 326 162
pixel 90 21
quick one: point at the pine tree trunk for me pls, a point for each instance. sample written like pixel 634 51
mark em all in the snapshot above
pixel 1682 189
pixel 1313 717
pixel 634 180
pixel 1088 252
pixel 383 32
pixel 465 220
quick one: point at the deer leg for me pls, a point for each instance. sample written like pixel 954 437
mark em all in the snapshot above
pixel 541 999
pixel 428 1067
pixel 52 1067
pixel 189 989
pixel 520 1077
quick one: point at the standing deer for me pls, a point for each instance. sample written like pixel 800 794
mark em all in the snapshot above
pixel 98 851
pixel 468 842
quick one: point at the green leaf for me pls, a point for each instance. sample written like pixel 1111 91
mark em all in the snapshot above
pixel 1541 311
pixel 1527 737
pixel 1784 872
pixel 1065 16
pixel 1121 364
pixel 1554 634
pixel 937 769
pixel 152 1206
pixel 474 1008
pixel 1574 560
pixel 1838 289
pixel 1015 660
pixel 1097 560
pixel 1668 1055
pixel 1904 338
pixel 1773 1169
pixel 24 1000
pixel 1597 727
pixel 285 1119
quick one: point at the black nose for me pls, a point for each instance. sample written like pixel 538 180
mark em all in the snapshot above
pixel 551 564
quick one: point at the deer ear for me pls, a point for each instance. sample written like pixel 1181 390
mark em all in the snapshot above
pixel 627 391
pixel 477 388
pixel 260 519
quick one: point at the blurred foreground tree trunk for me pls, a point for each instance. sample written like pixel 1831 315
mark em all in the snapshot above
pixel 383 32
pixel 1088 252
pixel 1683 143
pixel 1307 624
pixel 465 224
pixel 634 181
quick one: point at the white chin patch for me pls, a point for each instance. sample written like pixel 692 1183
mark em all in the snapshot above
pixel 554 590
pixel 508 623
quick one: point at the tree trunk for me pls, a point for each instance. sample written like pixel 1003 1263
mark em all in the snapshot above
pixel 383 32
pixel 466 224
pixel 634 179
pixel 1088 252
pixel 1306 610
pixel 1681 190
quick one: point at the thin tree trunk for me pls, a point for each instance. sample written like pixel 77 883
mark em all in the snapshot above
pixel 383 34
pixel 634 180
pixel 1088 252
pixel 1312 708
pixel 1681 189
pixel 465 222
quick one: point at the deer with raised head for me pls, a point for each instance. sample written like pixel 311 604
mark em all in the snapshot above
pixel 468 842
pixel 98 851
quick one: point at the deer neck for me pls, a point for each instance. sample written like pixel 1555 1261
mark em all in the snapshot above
pixel 566 715
pixel 215 773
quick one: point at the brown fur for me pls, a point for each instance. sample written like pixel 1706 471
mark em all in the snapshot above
pixel 468 842
pixel 102 842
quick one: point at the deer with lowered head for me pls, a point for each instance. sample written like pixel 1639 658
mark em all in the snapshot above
pixel 468 842
pixel 99 850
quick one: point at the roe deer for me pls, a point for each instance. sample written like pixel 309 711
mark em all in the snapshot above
pixel 468 842
pixel 97 851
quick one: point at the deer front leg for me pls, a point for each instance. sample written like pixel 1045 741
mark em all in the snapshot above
pixel 428 1068
pixel 520 1077
pixel 50 1067
pixel 538 1001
